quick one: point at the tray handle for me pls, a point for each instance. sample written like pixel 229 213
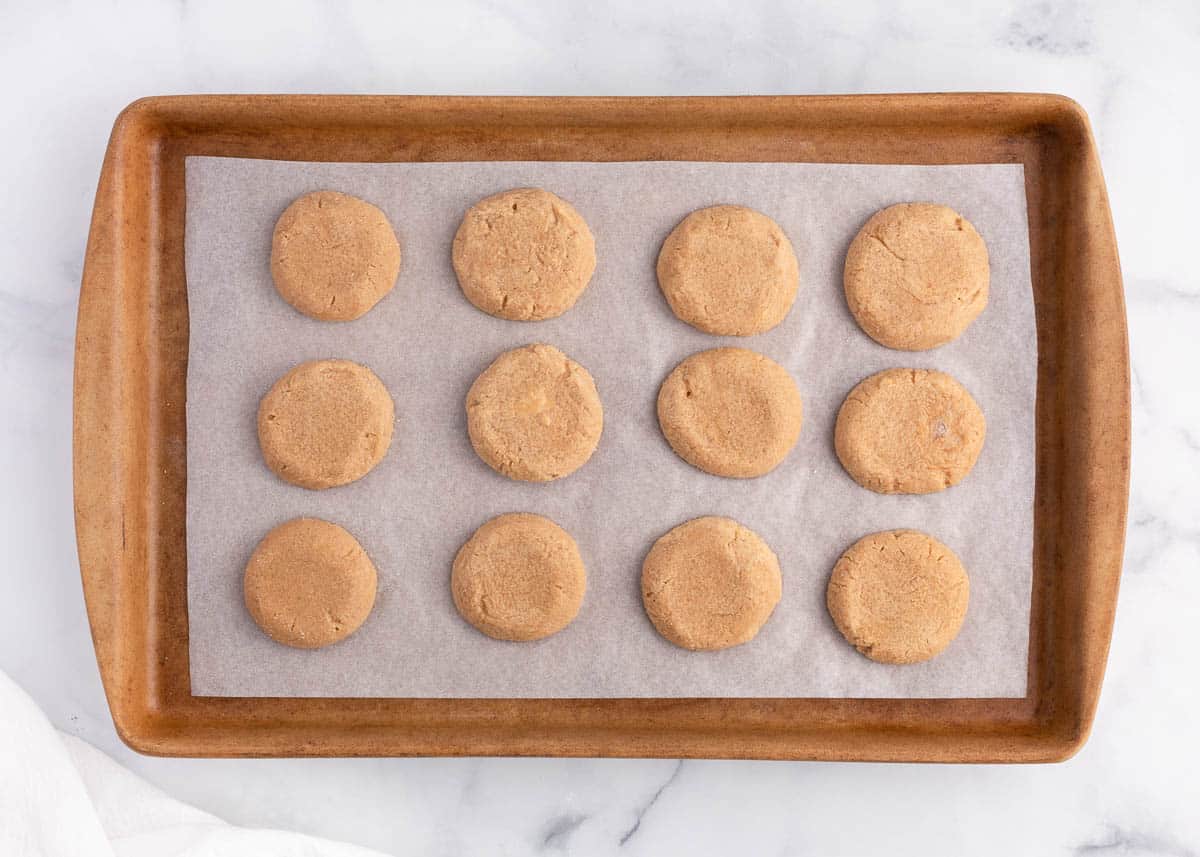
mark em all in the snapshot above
pixel 110 419
pixel 1095 393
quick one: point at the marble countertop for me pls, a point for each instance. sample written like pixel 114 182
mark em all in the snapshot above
pixel 68 68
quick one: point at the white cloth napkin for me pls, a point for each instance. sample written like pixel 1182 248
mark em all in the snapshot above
pixel 61 797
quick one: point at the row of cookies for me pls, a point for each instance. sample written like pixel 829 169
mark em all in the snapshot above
pixel 915 276
pixel 535 415
pixel 708 584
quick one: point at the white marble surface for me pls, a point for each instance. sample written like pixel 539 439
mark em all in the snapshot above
pixel 67 69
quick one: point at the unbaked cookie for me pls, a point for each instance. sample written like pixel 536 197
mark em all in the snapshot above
pixel 325 423
pixel 916 276
pixel 534 414
pixel 519 577
pixel 899 596
pixel 524 255
pixel 334 256
pixel 309 583
pixel 710 584
pixel 909 431
pixel 728 270
pixel 730 412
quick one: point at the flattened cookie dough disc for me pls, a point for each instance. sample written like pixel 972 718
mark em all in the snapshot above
pixel 309 583
pixel 730 412
pixel 325 423
pixel 916 276
pixel 909 431
pixel 899 596
pixel 710 584
pixel 334 256
pixel 728 270
pixel 534 414
pixel 519 577
pixel 523 255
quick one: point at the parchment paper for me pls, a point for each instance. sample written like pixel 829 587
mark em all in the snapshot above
pixel 424 500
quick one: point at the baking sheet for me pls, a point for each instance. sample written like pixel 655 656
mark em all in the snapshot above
pixel 427 344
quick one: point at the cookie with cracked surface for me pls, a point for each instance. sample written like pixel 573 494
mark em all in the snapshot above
pixel 325 423
pixel 729 270
pixel 534 415
pixel 730 412
pixel 899 597
pixel 710 584
pixel 334 256
pixel 309 583
pixel 519 577
pixel 523 255
pixel 909 431
pixel 916 276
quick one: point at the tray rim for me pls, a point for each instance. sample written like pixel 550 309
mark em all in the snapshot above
pixel 114 447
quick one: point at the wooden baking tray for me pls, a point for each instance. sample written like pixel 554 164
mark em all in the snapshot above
pixel 130 438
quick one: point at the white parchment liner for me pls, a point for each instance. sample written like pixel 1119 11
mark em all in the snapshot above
pixel 428 343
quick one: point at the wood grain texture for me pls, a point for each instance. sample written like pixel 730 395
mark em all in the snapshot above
pixel 130 441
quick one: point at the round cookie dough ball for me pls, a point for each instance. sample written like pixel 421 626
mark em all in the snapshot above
pixel 728 270
pixel 909 431
pixel 534 414
pixel 916 276
pixel 334 256
pixel 899 596
pixel 523 255
pixel 710 584
pixel 730 412
pixel 519 577
pixel 325 423
pixel 309 583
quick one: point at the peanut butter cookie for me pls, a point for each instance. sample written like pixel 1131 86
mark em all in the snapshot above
pixel 730 412
pixel 916 276
pixel 334 256
pixel 729 270
pixel 899 596
pixel 534 414
pixel 519 577
pixel 909 431
pixel 523 255
pixel 710 583
pixel 309 583
pixel 325 423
